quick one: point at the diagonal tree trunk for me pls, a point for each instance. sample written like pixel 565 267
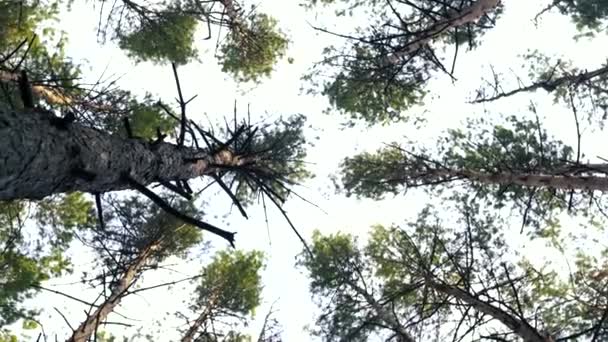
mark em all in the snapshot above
pixel 549 85
pixel 387 317
pixel 41 155
pixel 202 318
pixel 88 327
pixel 518 326
pixel 192 330
pixel 467 15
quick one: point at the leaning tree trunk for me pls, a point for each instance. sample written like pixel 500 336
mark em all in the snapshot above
pixel 41 155
pixel 192 330
pixel 190 334
pixel 517 326
pixel 467 15
pixel 387 317
pixel 88 327
pixel 550 84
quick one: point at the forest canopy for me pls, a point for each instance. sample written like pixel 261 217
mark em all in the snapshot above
pixel 324 170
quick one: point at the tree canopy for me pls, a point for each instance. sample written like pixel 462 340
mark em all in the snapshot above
pixel 144 213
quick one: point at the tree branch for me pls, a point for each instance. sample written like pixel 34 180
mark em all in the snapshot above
pixel 229 236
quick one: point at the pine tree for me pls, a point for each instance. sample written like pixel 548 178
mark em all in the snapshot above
pixel 432 279
pixel 230 286
pixel 515 165
pixel 384 68
pixel 61 143
pixel 136 237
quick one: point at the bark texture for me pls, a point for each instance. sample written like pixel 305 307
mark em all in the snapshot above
pixel 42 155
pixel 467 15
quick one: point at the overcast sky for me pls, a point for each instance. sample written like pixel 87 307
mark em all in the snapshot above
pixel 281 95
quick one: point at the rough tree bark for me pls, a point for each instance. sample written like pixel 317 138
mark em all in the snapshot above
pixel 41 155
pixel 467 15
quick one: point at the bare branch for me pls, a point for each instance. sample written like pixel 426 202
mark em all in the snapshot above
pixel 229 236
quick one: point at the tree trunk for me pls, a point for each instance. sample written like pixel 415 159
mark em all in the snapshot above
pixel 191 333
pixel 41 155
pixel 559 182
pixel 88 327
pixel 517 326
pixel 550 84
pixel 387 317
pixel 202 318
pixel 467 15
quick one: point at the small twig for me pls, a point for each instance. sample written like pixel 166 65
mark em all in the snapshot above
pixel 182 104
pixel 160 137
pixel 62 294
pixel 231 195
pixel 29 46
pixel 64 318
pixel 25 90
pixel 176 189
pixel 118 323
pixel 266 219
pixel 10 54
pixel 163 284
pixel 186 186
pixel 527 210
pixel 102 225
pixel 192 98
pixel 204 135
pixel 284 213
pixel 578 143
pixel 128 129
pixel 237 133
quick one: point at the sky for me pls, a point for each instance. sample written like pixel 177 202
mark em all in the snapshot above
pixel 284 285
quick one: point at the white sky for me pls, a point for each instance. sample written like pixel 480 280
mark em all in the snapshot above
pixel 280 95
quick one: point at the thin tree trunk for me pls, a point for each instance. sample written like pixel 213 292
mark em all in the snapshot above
pixel 202 318
pixel 191 333
pixel 41 155
pixel 388 318
pixel 467 15
pixel 517 326
pixel 88 327
pixel 530 180
pixel 550 84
